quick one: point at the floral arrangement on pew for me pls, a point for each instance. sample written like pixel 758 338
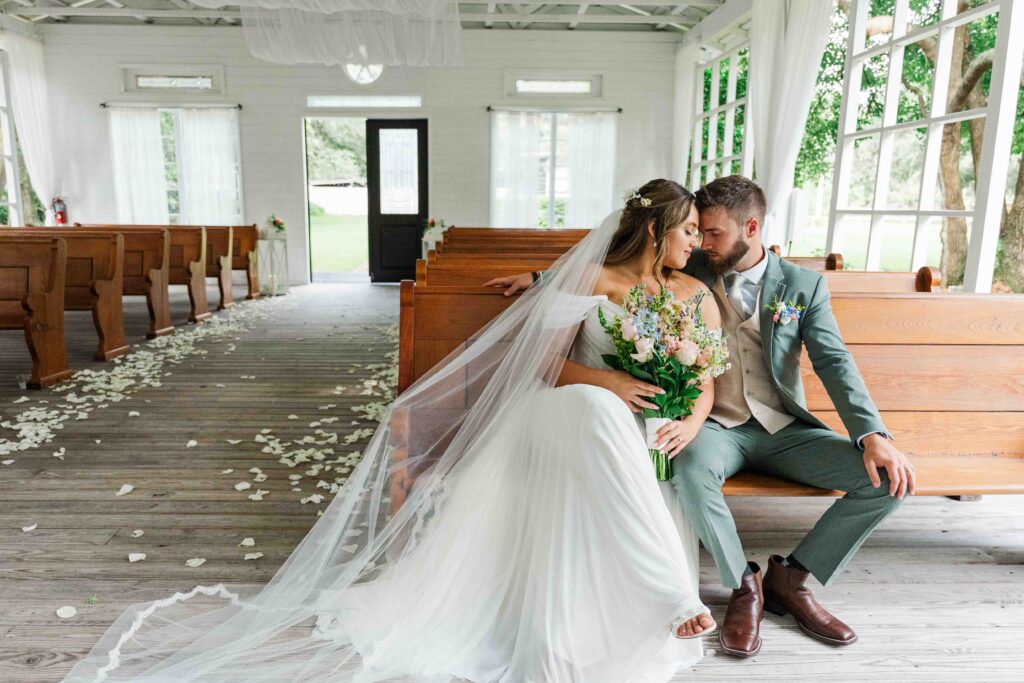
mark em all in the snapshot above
pixel 432 233
pixel 273 225
pixel 665 342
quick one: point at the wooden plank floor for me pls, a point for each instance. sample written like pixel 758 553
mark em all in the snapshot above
pixel 937 593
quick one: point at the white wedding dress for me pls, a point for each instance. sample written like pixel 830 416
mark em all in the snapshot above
pixel 582 558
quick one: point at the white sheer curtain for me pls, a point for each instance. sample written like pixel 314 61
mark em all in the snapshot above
pixel 208 160
pixel 31 111
pixel 592 140
pixel 787 39
pixel 687 56
pixel 515 168
pixel 337 32
pixel 138 156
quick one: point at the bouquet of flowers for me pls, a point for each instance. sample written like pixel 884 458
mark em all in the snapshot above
pixel 430 224
pixel 665 342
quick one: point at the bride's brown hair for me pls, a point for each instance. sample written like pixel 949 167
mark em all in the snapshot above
pixel 666 204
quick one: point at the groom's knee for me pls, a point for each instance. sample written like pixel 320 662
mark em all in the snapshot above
pixel 697 473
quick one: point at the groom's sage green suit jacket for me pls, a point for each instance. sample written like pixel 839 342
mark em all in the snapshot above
pixel 818 331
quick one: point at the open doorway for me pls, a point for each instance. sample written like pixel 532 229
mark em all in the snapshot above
pixel 337 198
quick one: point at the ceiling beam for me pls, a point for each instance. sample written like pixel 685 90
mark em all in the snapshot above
pixel 646 13
pixel 581 10
pixel 150 14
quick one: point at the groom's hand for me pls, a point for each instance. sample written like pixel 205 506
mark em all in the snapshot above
pixel 515 283
pixel 880 453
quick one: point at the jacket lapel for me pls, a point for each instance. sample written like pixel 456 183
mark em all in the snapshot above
pixel 774 286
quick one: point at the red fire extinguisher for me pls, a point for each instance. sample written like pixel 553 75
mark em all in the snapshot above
pixel 60 211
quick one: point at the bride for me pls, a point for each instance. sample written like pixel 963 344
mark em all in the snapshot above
pixel 534 544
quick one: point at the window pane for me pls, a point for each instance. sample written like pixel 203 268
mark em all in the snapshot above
pixel 852 241
pixel 741 72
pixel 863 170
pixel 980 37
pixel 871 99
pixel 924 12
pixel 905 173
pixel 879 8
pixel 707 90
pixel 896 242
pixel 737 129
pixel 723 81
pixel 956 177
pixel 399 171
pixel 915 85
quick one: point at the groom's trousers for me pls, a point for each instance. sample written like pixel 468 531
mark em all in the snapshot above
pixel 799 452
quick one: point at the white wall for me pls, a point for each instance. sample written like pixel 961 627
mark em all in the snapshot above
pixel 83 71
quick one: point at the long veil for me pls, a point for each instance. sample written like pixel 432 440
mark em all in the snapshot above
pixel 297 627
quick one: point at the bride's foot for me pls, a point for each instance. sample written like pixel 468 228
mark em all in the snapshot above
pixel 700 625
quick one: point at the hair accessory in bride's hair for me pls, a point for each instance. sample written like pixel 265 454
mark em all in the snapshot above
pixel 635 195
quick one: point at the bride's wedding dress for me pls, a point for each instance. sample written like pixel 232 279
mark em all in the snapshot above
pixel 536 545
pixel 583 559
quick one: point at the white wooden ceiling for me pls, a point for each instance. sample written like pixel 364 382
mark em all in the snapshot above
pixel 652 15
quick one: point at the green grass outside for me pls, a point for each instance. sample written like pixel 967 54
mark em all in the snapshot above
pixel 338 244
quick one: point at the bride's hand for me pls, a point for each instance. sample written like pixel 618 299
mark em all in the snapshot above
pixel 676 435
pixel 632 390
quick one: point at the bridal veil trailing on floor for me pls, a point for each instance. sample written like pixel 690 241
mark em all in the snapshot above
pixel 535 545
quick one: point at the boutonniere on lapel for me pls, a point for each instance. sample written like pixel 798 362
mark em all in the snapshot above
pixel 785 312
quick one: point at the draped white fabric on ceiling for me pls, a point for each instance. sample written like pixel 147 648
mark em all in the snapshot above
pixel 338 32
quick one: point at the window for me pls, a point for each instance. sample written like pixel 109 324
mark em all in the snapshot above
pixel 177 166
pixel 720 118
pixel 917 165
pixel 552 169
pixel 173 83
pixel 194 78
pixel 551 87
pixel 363 74
pixel 548 83
pixel 364 101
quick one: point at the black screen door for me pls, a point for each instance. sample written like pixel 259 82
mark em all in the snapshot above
pixel 396 176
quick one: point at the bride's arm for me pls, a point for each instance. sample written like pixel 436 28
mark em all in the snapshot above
pixel 631 390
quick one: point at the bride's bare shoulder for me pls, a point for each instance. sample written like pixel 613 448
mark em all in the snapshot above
pixel 609 282
pixel 685 286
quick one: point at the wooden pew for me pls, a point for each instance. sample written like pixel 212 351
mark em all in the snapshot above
pixel 186 262
pixel 93 281
pixel 829 262
pixel 32 271
pixel 927 279
pixel 944 370
pixel 244 249
pixel 245 255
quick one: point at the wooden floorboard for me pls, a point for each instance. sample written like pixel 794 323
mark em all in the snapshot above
pixel 937 593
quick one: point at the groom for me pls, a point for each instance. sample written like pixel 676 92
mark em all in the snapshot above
pixel 759 422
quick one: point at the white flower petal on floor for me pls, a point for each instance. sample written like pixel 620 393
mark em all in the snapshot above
pixel 253 556
pixel 192 443
pixel 196 562
pixel 125 489
pixel 27 529
pixel 248 542
pixel 136 557
pixel 137 533
pixel 66 612
pixel 242 485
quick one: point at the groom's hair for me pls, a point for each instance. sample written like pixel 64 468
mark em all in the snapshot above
pixel 740 197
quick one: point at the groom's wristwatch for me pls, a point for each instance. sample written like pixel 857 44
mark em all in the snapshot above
pixel 535 275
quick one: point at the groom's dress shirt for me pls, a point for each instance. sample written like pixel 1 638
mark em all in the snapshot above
pixel 745 390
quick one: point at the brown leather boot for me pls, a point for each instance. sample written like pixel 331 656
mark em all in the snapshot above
pixel 740 635
pixel 784 591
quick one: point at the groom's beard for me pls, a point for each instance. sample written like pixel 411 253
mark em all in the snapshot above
pixel 726 262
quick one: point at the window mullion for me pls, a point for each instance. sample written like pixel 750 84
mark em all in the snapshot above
pixel 552 169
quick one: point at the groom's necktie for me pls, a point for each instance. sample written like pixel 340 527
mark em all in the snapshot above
pixel 734 291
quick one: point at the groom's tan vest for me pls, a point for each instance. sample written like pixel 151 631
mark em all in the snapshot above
pixel 745 389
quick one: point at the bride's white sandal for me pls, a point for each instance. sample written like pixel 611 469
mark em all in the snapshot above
pixel 682 620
